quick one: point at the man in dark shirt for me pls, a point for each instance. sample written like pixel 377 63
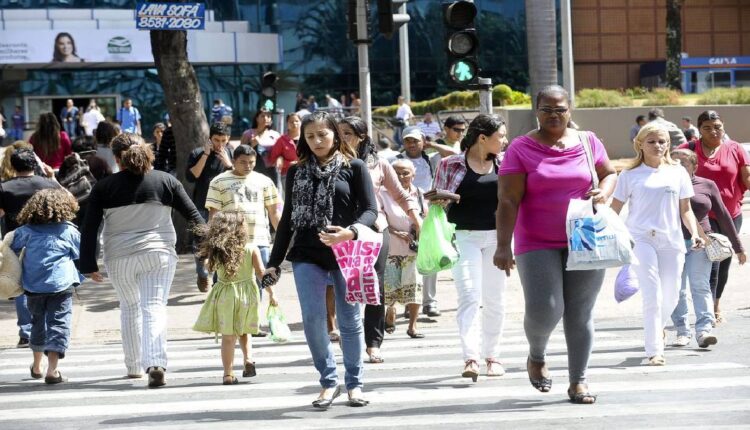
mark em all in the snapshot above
pixel 204 164
pixel 166 155
pixel 14 193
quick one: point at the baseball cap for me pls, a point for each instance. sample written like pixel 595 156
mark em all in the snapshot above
pixel 414 132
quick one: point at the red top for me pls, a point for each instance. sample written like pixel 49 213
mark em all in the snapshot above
pixel 56 159
pixel 285 148
pixel 725 169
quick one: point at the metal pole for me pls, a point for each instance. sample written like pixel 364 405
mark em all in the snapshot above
pixel 403 50
pixel 485 96
pixel 567 50
pixel 364 64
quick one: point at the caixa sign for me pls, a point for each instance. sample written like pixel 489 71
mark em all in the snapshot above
pixel 170 16
pixel 722 61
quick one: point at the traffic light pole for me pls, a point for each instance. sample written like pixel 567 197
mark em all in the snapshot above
pixel 403 49
pixel 364 65
pixel 485 96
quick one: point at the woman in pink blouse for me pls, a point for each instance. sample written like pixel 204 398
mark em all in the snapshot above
pixel 354 133
pixel 50 143
pixel 541 172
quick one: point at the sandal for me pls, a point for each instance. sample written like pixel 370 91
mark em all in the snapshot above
pixel 657 360
pixel 720 318
pixel 414 334
pixel 390 320
pixel 376 359
pixel 494 367
pixel 55 379
pixel 471 370
pixel 583 398
pixel 232 381
pixel 334 336
pixel 249 370
pixel 542 384
pixel 34 374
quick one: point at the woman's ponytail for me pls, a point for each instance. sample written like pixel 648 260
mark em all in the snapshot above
pixel 134 154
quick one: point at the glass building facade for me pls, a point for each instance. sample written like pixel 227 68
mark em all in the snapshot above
pixel 318 59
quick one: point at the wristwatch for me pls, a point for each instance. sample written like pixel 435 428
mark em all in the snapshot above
pixel 354 230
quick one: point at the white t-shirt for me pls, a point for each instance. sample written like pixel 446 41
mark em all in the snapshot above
pixel 91 120
pixel 654 196
pixel 404 112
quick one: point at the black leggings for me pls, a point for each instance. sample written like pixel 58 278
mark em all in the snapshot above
pixel 375 314
pixel 720 270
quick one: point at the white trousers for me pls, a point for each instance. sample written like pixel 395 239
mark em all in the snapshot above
pixel 481 294
pixel 142 283
pixel 659 272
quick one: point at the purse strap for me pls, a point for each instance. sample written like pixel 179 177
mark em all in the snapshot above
pixel 584 136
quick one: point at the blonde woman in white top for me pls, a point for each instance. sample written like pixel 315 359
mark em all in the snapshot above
pixel 659 192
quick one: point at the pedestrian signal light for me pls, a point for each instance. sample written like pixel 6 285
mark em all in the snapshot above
pixel 268 91
pixel 462 43
pixel 389 20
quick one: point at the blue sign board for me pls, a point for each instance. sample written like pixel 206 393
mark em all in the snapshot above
pixel 170 16
pixel 715 62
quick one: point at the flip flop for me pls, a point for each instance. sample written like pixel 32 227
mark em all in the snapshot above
pixel 580 398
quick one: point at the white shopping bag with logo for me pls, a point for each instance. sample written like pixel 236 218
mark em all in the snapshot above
pixel 596 239
pixel 356 259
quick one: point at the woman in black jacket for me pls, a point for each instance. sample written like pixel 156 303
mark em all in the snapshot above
pixel 331 191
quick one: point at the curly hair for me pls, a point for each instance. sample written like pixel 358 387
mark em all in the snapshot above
pixel 223 241
pixel 49 206
pixel 134 154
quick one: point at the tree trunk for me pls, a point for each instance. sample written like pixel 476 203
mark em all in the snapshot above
pixel 541 39
pixel 182 96
pixel 674 44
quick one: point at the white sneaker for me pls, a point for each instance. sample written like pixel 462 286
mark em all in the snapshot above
pixel 707 339
pixel 681 341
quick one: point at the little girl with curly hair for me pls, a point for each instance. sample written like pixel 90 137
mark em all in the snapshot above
pixel 50 243
pixel 232 307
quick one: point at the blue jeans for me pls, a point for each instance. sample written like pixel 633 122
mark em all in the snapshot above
pixel 51 315
pixel 697 271
pixel 200 268
pixel 70 128
pixel 24 317
pixel 311 281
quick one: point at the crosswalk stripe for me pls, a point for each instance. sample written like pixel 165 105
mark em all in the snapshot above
pixel 391 396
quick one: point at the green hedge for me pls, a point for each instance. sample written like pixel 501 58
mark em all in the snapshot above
pixel 502 95
pixel 597 98
pixel 726 96
pixel 664 97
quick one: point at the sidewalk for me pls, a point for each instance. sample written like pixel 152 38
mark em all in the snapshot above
pixel 96 315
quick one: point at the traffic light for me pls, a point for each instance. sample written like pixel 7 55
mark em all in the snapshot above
pixel 462 43
pixel 268 91
pixel 389 20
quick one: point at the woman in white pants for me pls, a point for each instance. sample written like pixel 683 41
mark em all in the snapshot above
pixel 659 192
pixel 139 250
pixel 481 286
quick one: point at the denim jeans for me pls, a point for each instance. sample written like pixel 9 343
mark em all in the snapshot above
pixel 311 281
pixel 51 315
pixel 200 268
pixel 24 317
pixel 697 271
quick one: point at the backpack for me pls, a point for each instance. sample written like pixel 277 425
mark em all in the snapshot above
pixel 75 176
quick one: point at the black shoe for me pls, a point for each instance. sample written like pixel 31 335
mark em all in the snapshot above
pixel 55 379
pixel 431 311
pixel 22 343
pixel 260 333
pixel 325 403
pixel 156 377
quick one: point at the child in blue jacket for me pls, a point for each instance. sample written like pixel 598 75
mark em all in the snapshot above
pixel 50 244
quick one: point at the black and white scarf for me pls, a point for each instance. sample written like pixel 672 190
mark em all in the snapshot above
pixel 312 204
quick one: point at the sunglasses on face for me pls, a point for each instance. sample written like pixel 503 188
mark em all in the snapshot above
pixel 550 111
pixel 459 130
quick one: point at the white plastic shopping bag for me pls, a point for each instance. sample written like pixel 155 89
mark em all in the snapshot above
pixel 356 259
pixel 596 240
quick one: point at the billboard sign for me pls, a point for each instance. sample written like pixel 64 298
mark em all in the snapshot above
pixel 170 16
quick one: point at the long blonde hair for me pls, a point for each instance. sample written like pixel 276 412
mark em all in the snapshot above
pixel 645 131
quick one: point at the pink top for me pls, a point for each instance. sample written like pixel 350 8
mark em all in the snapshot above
pixel 553 177
pixel 384 179
pixel 54 160
pixel 725 169
pixel 399 220
pixel 285 148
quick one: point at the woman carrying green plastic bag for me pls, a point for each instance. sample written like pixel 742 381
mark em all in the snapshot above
pixel 479 284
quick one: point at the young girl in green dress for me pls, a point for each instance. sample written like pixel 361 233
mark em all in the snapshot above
pixel 232 307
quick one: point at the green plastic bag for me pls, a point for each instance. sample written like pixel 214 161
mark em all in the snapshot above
pixel 277 323
pixel 437 250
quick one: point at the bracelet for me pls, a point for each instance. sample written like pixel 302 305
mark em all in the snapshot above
pixel 354 230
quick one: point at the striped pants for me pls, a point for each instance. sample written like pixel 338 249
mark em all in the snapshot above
pixel 142 284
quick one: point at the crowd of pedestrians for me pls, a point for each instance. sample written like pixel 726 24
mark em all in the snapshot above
pixel 325 182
